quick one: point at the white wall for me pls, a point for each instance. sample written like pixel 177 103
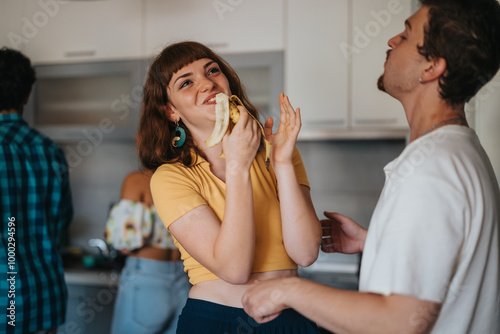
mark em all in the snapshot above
pixel 487 121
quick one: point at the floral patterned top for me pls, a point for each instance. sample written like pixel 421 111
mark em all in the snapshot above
pixel 132 225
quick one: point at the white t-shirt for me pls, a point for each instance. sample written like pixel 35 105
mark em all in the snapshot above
pixel 434 234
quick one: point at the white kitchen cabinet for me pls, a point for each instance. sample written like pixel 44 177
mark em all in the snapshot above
pixel 227 26
pixel 374 22
pixel 57 31
pixel 316 71
pixel 89 310
pixel 335 51
pixel 91 299
pixel 11 14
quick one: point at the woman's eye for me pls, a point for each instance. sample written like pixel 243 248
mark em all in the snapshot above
pixel 185 83
pixel 213 70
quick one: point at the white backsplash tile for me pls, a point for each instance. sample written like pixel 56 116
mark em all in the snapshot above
pixel 346 177
pixel 96 178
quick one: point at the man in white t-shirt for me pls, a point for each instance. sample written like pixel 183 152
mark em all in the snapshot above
pixel 431 254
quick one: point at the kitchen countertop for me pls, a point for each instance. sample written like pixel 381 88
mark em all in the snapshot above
pixel 336 274
pixel 91 277
pixel 111 277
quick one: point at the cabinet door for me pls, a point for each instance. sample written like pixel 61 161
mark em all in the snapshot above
pixel 11 14
pixel 374 23
pixel 74 31
pixel 316 70
pixel 76 317
pixel 89 310
pixel 227 26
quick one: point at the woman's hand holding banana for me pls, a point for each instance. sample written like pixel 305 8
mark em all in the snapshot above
pixel 241 144
pixel 227 112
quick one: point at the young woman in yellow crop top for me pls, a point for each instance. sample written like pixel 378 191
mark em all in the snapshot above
pixel 234 221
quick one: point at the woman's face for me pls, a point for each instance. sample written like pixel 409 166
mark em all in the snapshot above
pixel 191 93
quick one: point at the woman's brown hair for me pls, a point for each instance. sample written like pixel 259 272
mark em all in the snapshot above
pixel 156 131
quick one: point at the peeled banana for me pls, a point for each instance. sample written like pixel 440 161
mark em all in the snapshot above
pixel 227 114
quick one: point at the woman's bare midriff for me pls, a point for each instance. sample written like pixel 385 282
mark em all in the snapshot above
pixel 153 253
pixel 222 292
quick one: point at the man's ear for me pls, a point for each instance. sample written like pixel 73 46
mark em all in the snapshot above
pixel 435 69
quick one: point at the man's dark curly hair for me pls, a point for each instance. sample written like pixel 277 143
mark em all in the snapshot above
pixel 16 79
pixel 466 33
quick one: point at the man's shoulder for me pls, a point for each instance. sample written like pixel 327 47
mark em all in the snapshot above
pixel 31 135
pixel 23 135
pixel 445 146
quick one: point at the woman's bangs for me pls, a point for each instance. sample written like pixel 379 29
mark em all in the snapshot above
pixel 181 55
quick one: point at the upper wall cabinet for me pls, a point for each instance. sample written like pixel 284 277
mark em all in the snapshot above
pixel 316 71
pixel 374 23
pixel 54 31
pixel 227 26
pixel 11 12
pixel 335 52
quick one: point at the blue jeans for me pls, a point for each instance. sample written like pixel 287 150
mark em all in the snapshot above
pixel 150 297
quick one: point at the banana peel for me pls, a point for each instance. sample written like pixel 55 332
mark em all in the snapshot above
pixel 227 115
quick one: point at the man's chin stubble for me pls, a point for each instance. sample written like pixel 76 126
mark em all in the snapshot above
pixel 380 83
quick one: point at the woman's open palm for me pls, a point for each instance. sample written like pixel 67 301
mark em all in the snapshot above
pixel 284 140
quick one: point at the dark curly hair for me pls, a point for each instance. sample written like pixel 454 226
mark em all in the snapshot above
pixel 156 131
pixel 466 33
pixel 16 79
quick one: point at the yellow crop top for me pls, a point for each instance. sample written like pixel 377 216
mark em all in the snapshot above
pixel 178 189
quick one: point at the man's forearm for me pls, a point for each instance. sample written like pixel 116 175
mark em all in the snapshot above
pixel 343 311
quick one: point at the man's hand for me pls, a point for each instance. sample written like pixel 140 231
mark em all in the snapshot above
pixel 342 234
pixel 265 300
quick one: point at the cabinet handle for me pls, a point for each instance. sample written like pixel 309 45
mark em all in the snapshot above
pixel 337 121
pixel 84 53
pixel 376 121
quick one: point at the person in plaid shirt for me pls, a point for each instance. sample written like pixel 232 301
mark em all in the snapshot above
pixel 35 210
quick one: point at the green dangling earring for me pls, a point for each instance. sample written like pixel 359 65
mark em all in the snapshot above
pixel 180 136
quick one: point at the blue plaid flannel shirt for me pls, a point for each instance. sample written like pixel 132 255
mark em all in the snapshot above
pixel 35 211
